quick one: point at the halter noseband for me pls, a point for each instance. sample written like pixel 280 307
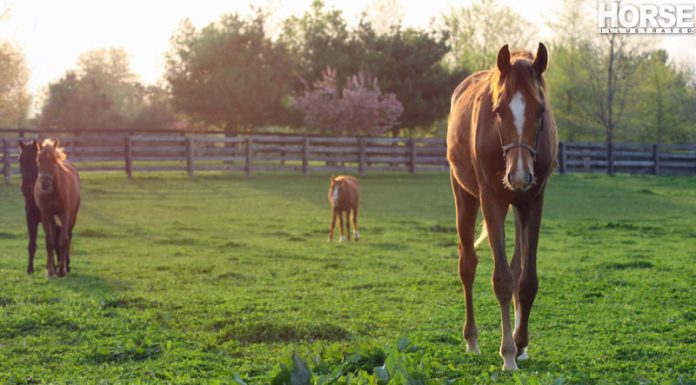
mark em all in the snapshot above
pixel 507 147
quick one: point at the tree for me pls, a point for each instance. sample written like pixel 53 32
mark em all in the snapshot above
pixel 567 77
pixel 611 75
pixel 408 63
pixel 101 93
pixel 385 15
pixel 319 39
pixel 229 73
pixel 14 97
pixel 661 101
pixel 359 108
pixel 477 33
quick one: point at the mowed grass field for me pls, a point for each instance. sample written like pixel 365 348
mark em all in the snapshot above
pixel 193 280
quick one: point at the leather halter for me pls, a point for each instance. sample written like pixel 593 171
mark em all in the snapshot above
pixel 507 147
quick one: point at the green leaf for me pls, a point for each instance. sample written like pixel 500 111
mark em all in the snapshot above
pixel 382 374
pixel 300 374
pixel 236 378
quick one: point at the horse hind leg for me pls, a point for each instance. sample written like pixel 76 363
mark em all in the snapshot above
pixel 348 224
pixel 355 224
pixel 466 211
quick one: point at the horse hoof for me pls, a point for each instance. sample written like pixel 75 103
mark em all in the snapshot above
pixel 61 273
pixel 510 364
pixel 30 271
pixel 50 274
pixel 474 349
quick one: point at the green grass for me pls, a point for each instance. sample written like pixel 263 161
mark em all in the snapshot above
pixel 179 280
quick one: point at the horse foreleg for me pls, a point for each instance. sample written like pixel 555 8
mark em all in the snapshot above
pixel 48 228
pixel 494 213
pixel 516 264
pixel 63 246
pixel 333 225
pixel 528 282
pixel 467 209
pixel 355 223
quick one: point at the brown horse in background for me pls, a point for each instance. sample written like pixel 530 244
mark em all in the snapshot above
pixel 29 168
pixel 344 197
pixel 57 194
pixel 501 147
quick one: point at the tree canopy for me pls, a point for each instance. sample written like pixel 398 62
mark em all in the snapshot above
pixel 228 74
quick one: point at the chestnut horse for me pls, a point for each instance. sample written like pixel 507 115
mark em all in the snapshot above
pixel 57 194
pixel 28 167
pixel 501 147
pixel 344 197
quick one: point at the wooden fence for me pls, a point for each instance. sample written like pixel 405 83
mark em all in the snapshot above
pixel 134 153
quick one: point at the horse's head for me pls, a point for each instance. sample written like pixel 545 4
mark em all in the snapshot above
pixel 335 189
pixel 28 154
pixel 518 100
pixel 49 157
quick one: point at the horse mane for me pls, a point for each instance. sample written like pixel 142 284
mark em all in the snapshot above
pixel 57 151
pixel 521 75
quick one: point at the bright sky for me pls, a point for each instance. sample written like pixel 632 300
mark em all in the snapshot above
pixel 54 33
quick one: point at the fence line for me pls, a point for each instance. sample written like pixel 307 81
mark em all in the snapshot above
pixel 190 153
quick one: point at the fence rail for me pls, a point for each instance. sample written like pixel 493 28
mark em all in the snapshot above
pixel 135 153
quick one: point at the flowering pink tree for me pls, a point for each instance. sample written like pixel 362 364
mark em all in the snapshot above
pixel 359 109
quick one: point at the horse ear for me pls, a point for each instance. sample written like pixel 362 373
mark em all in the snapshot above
pixel 56 143
pixel 37 145
pixel 333 178
pixel 541 60
pixel 504 60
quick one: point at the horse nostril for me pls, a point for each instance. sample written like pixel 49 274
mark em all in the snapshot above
pixel 509 179
pixel 529 178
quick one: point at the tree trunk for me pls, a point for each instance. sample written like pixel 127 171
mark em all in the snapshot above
pixel 610 101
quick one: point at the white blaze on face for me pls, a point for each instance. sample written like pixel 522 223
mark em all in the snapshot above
pixel 517 106
pixel 334 195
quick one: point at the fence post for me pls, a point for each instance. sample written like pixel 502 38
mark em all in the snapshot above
pixel 128 152
pixel 656 158
pixel 361 155
pixel 610 158
pixel 305 155
pixel 249 155
pixel 562 158
pixel 6 164
pixel 189 156
pixel 412 156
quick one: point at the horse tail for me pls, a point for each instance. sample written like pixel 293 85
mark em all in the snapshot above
pixel 482 237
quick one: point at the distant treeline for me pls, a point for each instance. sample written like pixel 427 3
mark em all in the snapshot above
pixel 315 73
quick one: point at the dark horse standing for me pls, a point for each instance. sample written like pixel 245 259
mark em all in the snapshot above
pixel 29 169
pixel 501 146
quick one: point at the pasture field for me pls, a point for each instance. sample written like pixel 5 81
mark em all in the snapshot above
pixel 193 280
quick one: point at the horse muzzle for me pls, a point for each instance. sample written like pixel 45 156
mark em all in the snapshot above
pixel 46 184
pixel 519 181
